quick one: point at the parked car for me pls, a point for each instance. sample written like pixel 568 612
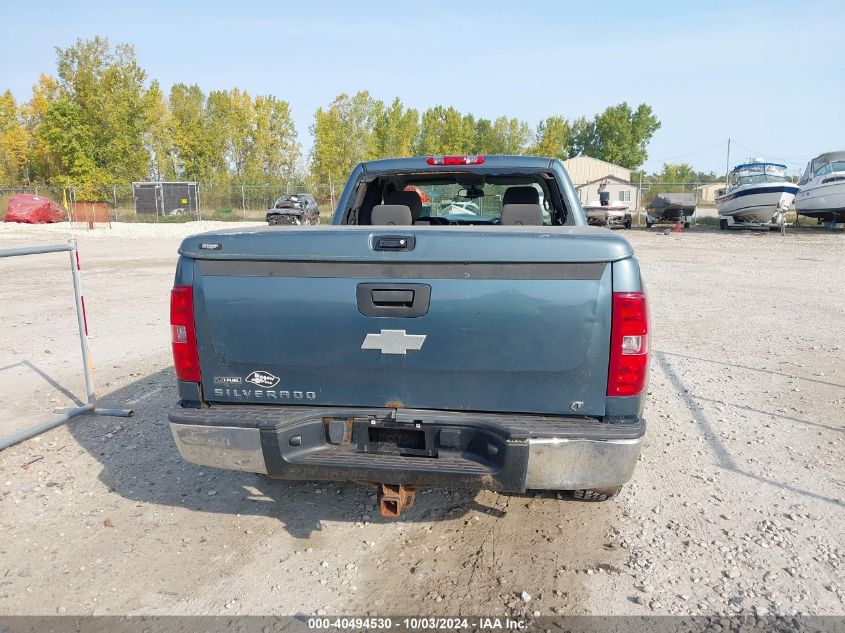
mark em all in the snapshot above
pixel 408 350
pixel 299 209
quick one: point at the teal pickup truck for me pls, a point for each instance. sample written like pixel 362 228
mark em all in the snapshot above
pixel 458 324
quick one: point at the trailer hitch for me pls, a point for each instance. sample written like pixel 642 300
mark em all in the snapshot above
pixel 393 498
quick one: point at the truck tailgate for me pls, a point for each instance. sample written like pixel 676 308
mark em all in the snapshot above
pixel 471 320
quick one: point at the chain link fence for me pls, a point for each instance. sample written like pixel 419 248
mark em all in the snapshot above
pixel 242 202
pixel 225 202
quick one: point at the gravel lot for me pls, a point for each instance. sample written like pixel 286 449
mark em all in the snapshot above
pixel 736 505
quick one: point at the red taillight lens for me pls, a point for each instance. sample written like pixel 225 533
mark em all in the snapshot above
pixel 184 336
pixel 628 345
pixel 455 160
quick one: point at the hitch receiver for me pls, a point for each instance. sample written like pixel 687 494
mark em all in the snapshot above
pixel 393 498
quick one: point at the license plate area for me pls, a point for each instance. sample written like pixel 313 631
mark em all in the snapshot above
pixel 393 438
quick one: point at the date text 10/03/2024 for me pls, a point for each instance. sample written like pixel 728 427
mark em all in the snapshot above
pixel 418 623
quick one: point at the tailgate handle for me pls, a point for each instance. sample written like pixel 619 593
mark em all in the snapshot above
pixel 393 300
pixel 393 243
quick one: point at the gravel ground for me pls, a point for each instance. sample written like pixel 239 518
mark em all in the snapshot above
pixel 736 505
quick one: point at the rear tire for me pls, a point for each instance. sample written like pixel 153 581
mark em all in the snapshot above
pixel 648 224
pixel 723 225
pixel 686 225
pixel 599 494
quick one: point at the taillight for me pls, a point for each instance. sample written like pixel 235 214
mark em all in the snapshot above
pixel 184 336
pixel 455 160
pixel 628 345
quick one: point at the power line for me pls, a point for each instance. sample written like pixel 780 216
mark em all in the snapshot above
pixel 756 153
pixel 700 151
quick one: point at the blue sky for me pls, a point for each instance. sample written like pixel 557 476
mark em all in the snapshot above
pixel 771 75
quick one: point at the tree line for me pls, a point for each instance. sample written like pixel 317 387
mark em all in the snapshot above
pixel 100 120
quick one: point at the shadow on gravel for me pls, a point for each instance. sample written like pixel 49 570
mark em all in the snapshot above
pixel 765 371
pixel 47 378
pixel 724 458
pixel 744 407
pixel 140 462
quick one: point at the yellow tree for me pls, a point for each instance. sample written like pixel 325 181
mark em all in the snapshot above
pixel 14 142
pixel 553 138
pixel 343 136
pixel 395 130
pixel 41 161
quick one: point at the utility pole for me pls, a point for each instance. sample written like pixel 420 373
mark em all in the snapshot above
pixel 639 198
pixel 728 164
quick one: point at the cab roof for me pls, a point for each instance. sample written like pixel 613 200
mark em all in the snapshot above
pixel 491 162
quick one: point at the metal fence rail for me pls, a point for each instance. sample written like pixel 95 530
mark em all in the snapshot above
pixel 91 407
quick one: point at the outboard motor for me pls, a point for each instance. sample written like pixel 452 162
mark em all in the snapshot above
pixel 604 198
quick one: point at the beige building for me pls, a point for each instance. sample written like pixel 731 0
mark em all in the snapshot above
pixel 706 194
pixel 583 169
pixel 591 175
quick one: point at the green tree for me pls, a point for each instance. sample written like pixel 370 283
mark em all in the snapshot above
pixel 72 145
pixel 395 129
pixel 231 116
pixel 197 152
pixel 343 136
pixel 676 173
pixel 583 136
pixel 446 131
pixel 274 149
pixel 618 135
pixel 14 141
pixel 483 137
pixel 157 134
pixel 553 138
pixel 106 88
pixel 511 136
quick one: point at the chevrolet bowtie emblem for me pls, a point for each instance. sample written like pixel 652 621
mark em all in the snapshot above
pixel 393 342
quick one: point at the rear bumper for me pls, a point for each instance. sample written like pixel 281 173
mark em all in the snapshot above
pixel 416 447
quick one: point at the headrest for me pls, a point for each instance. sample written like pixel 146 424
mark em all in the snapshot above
pixel 410 199
pixel 388 214
pixel 522 214
pixel 521 195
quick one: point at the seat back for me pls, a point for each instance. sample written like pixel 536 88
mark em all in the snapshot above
pixel 522 214
pixel 410 199
pixel 391 214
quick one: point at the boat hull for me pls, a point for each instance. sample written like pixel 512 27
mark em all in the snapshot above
pixel 825 202
pixel 759 203
pixel 600 215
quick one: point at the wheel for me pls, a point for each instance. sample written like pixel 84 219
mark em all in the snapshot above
pixel 723 224
pixel 648 224
pixel 600 494
pixel 686 225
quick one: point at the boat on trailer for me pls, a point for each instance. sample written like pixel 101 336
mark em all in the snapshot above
pixel 671 208
pixel 822 188
pixel 603 212
pixel 757 194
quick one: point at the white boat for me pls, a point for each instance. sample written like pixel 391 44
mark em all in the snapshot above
pixel 612 213
pixel 603 212
pixel 756 193
pixel 822 188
